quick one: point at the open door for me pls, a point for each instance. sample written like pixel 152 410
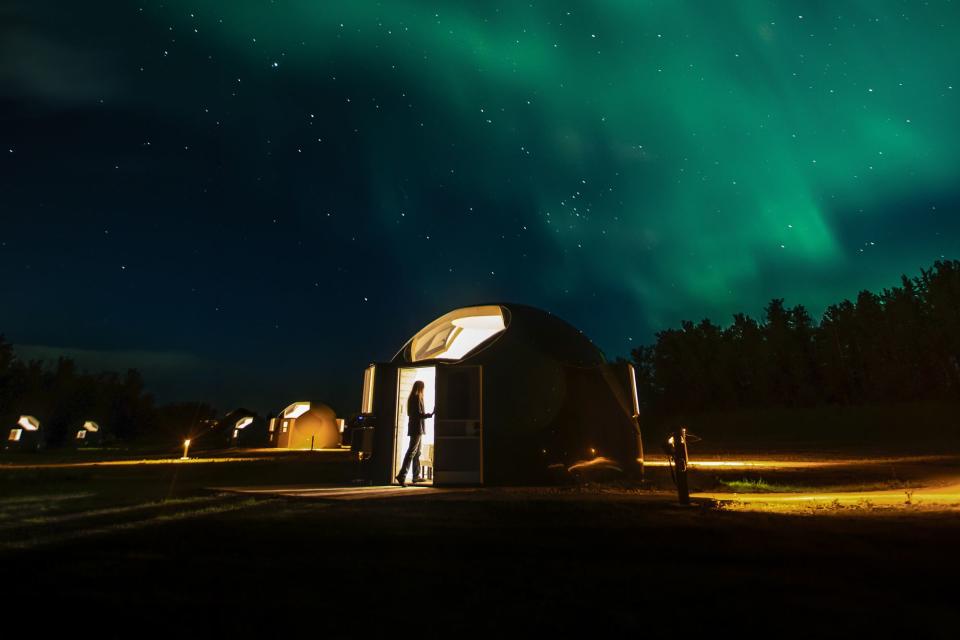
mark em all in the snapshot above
pixel 458 425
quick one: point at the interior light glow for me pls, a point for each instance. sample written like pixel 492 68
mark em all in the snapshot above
pixel 454 335
pixel 368 380
pixel 15 435
pixel 296 410
pixel 91 426
pixel 243 422
pixel 633 390
pixel 29 423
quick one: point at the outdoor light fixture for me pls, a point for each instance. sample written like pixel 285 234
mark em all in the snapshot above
pixel 186 449
pixel 29 423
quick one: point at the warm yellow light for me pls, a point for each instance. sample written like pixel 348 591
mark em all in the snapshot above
pixel 454 335
pixel 15 435
pixel 243 422
pixel 186 442
pixel 369 376
pixel 29 423
pixel 296 410
pixel 633 391
pixel 597 463
pixel 186 448
pixel 91 426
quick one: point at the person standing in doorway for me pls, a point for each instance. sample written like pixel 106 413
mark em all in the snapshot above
pixel 415 429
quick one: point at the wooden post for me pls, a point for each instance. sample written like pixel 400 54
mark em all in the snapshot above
pixel 680 462
pixel 311 442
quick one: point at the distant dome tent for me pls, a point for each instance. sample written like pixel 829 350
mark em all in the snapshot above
pixel 25 435
pixel 89 434
pixel 519 394
pixel 305 425
pixel 239 427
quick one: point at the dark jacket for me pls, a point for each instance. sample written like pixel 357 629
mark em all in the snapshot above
pixel 416 416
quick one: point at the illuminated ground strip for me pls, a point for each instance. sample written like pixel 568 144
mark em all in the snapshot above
pixel 125 463
pixel 798 464
pixel 335 493
pixel 927 496
pixel 274 453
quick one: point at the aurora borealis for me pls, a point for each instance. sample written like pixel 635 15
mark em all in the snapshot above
pixel 253 199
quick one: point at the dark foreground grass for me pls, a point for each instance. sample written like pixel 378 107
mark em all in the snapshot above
pixel 551 562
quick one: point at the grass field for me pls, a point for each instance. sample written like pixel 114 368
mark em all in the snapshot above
pixel 149 548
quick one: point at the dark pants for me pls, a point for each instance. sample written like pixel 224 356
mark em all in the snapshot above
pixel 413 454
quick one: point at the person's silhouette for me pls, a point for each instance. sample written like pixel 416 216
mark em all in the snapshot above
pixel 415 429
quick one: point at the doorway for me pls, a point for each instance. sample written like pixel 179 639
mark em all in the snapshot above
pixel 406 376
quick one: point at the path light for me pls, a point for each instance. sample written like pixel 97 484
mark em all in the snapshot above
pixel 186 449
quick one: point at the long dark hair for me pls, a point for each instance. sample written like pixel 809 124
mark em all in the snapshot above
pixel 417 390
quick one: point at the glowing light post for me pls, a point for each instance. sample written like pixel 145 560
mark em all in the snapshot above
pixel 186 449
pixel 636 415
pixel 679 441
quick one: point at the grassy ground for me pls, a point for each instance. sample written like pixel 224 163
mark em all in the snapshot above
pixel 146 549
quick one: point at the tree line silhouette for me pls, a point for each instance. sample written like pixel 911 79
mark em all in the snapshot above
pixel 899 345
pixel 63 397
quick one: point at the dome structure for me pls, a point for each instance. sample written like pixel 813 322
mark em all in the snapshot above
pixel 532 391
pixel 306 425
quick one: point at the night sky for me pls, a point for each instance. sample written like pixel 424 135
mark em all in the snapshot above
pixel 251 200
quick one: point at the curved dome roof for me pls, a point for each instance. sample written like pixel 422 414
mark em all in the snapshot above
pixel 467 331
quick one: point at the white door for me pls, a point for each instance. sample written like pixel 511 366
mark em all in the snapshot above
pixel 458 427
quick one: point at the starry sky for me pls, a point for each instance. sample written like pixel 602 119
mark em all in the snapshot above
pixel 250 200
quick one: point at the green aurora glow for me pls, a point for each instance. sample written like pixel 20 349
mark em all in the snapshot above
pixel 625 164
pixel 682 149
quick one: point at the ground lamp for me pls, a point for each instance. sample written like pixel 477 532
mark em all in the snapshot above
pixel 186 449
